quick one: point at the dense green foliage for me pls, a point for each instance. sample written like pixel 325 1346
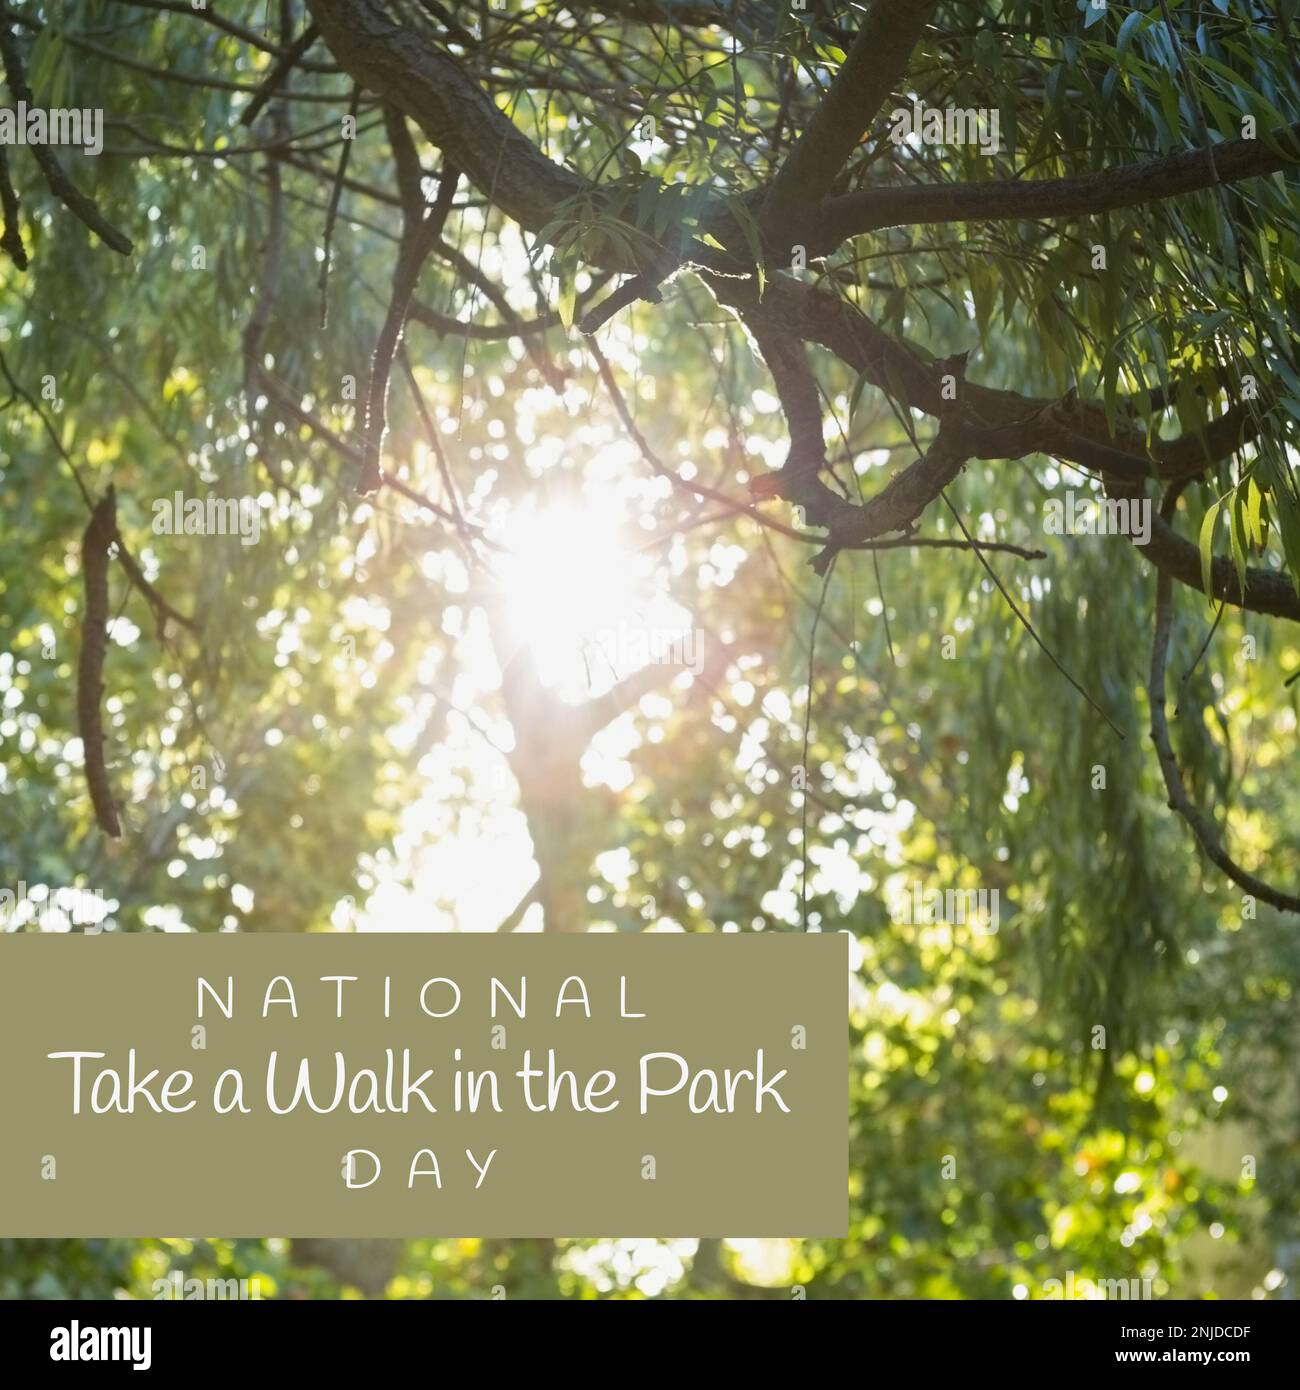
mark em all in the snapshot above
pixel 305 759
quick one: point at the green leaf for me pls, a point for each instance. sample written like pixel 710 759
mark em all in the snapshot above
pixel 1237 536
pixel 1287 511
pixel 1128 29
pixel 988 52
pixel 1254 511
pixel 749 230
pixel 568 292
pixel 1206 546
pixel 983 289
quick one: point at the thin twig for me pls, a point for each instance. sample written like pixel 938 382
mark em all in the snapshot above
pixel 287 61
pixel 807 734
pixel 12 239
pixel 1026 624
pixel 331 216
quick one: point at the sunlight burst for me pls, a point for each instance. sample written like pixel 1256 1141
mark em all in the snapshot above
pixel 568 574
pixel 577 592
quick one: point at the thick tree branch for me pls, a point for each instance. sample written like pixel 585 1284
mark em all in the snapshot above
pixel 400 61
pixel 874 209
pixel 1012 425
pixel 798 480
pixel 876 62
pixel 990 425
pixel 1266 591
pixel 403 63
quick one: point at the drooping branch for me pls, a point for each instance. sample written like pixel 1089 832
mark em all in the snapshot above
pixel 60 184
pixel 421 231
pixel 268 283
pixel 901 501
pixel 798 480
pixel 207 15
pixel 12 238
pixel 467 270
pixel 662 470
pixel 445 325
pixel 163 611
pixel 294 408
pixel 265 294
pixel 467 532
pixel 332 213
pixel 96 543
pixel 1206 833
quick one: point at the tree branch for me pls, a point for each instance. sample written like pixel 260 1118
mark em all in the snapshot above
pixel 1130 185
pixel 1207 835
pixel 60 184
pixel 96 542
pixel 1266 591
pixel 285 64
pixel 12 239
pixel 453 110
pixel 421 232
pixel 876 62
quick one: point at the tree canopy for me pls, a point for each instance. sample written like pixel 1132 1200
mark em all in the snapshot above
pixel 692 465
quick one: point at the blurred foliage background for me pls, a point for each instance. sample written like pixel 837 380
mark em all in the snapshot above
pixel 361 737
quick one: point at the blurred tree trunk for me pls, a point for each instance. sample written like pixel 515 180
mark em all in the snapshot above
pixel 367 1265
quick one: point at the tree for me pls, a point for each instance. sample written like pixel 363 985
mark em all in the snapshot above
pixel 923 289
